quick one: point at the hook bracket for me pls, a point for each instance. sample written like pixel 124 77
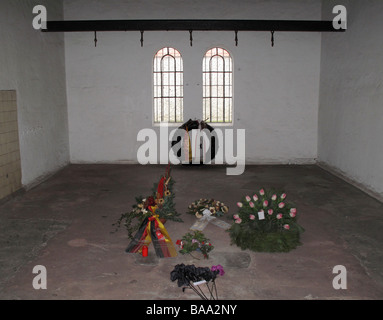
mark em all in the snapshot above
pixel 142 38
pixel 191 37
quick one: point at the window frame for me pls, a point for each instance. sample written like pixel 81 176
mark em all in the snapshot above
pixel 208 87
pixel 178 73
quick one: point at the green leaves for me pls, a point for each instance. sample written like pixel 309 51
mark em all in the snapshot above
pixel 266 222
pixel 165 209
pixel 196 240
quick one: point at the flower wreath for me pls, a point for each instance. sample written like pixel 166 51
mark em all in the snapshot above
pixel 216 208
pixel 265 222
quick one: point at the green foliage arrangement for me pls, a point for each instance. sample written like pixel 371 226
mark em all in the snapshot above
pixel 193 241
pixel 265 222
pixel 160 204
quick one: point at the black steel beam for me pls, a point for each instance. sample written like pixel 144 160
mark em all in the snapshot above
pixel 194 25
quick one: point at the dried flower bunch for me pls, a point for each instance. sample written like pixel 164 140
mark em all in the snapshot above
pixel 216 208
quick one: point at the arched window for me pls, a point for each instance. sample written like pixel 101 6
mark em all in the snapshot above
pixel 168 86
pixel 217 68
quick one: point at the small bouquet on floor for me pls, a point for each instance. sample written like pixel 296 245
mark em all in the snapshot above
pixel 195 241
pixel 192 277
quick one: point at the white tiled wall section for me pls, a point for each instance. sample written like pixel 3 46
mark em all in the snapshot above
pixel 10 166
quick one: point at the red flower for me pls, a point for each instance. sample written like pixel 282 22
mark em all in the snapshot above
pixel 150 202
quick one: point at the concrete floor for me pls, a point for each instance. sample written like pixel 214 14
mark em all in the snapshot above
pixel 65 224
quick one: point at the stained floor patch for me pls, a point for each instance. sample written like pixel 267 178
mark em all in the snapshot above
pixel 22 240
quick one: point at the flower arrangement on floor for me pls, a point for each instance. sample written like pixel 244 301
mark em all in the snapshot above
pixel 190 276
pixel 265 222
pixel 159 204
pixel 195 241
pixel 216 208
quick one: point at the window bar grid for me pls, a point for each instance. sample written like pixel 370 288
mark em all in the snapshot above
pixel 168 94
pixel 218 80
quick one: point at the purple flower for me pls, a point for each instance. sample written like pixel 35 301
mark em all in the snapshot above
pixel 218 268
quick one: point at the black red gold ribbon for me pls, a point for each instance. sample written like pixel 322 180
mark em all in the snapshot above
pixel 152 230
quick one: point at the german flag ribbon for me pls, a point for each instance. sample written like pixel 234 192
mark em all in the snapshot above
pixel 152 230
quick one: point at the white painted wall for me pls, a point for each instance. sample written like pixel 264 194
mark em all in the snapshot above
pixel 33 64
pixel 276 90
pixel 109 88
pixel 351 96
